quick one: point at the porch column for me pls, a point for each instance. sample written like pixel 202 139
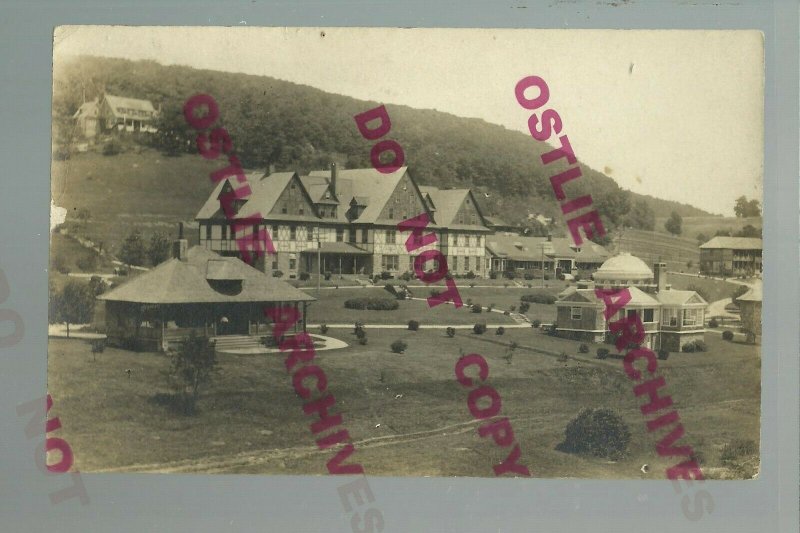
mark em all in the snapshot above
pixel 305 307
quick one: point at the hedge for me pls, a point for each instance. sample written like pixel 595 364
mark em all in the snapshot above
pixel 539 297
pixel 373 304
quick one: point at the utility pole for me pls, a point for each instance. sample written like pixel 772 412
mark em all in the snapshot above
pixel 542 263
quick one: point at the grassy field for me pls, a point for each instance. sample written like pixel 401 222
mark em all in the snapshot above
pixel 251 421
pixel 713 288
pixel 330 309
pixel 709 225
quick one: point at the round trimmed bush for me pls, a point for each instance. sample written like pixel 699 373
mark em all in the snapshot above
pixel 451 332
pixel 602 353
pixel 398 346
pixel 663 355
pixel 688 347
pixel 479 329
pixel 536 323
pixel 413 325
pixel 713 323
pixel 523 307
pixel 700 346
pixel 323 328
pixel 583 348
pixel 476 308
pixel 304 276
pixel 500 330
pixel 362 340
pixel 277 274
pixel 727 335
pixel 597 432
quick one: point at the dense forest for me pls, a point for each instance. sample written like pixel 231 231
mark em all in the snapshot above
pixel 291 126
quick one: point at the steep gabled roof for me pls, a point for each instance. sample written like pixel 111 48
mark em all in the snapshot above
pixel 677 297
pixel 177 282
pixel 733 243
pixel 264 192
pixel 448 202
pixel 124 102
pixel 367 183
pixel 753 295
pixel 87 109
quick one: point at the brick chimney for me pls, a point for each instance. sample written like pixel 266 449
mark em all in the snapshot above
pixel 333 179
pixel 180 247
pixel 660 274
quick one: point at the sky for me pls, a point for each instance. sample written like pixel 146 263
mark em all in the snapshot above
pixel 674 114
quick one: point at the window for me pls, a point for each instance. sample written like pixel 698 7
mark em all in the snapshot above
pixel 292 264
pixel 255 232
pixel 649 315
pixel 284 210
pixel 390 262
pixel 208 232
pixel 411 263
pixel 224 232
pixel 364 235
pixel 233 231
pixel 391 236
pixel 575 313
pixel 691 317
pixel 351 235
pixel 473 241
pixel 455 263
pixel 275 264
pixel 301 210
pixel 293 232
pixel 669 317
pixel 467 263
pixel 274 231
pixel 339 234
pixel 391 213
pixel 310 233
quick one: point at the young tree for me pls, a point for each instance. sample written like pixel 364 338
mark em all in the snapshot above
pixel 701 238
pixel 674 223
pixel 159 249
pixel 133 249
pixel 745 208
pixel 192 365
pixel 74 305
pixel 749 231
pixel 641 216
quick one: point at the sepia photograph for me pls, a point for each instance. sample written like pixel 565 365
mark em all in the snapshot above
pixel 407 252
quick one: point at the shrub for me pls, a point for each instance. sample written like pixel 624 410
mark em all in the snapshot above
pixel 111 148
pixel 362 340
pixel 304 276
pixel 546 277
pixel 413 325
pixel 563 357
pixel 700 346
pixel 277 274
pixel 507 312
pixel 583 348
pixel 512 308
pixel 727 335
pixel 386 275
pixel 489 308
pixel 476 308
pixel 406 276
pixel 323 328
pixel 399 346
pixel 713 323
pixel 528 275
pixel 472 285
pixel 492 275
pixel 327 275
pixel 500 330
pixel 738 448
pixel 435 293
pixel 509 274
pixel 536 323
pixel 597 432
pixel 552 330
pixel 373 304
pixel 663 355
pixel 469 302
pixel 470 275
pixel 451 332
pixel 539 297
pixel 688 347
pixel 479 329
pixel 524 307
pixel 361 333
pixel 602 353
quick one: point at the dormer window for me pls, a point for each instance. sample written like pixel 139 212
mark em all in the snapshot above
pixel 327 195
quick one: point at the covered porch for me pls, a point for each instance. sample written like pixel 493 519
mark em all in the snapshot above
pixel 337 258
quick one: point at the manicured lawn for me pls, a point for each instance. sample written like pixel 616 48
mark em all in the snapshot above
pixel 330 309
pixel 406 413
pixel 714 288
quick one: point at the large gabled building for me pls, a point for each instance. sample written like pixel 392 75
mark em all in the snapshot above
pixel 345 222
pixel 731 256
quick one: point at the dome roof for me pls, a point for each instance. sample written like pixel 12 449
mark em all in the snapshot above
pixel 623 267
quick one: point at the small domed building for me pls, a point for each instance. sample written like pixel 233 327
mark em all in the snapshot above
pixel 671 318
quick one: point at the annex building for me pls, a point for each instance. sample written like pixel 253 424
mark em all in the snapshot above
pixel 671 318
pixel 510 252
pixel 115 113
pixel 731 256
pixel 345 222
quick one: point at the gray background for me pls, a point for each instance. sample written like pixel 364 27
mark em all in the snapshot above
pixel 149 502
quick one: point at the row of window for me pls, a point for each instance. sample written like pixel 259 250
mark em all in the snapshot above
pixel 455 263
pixel 669 315
pixel 134 112
pixel 351 235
